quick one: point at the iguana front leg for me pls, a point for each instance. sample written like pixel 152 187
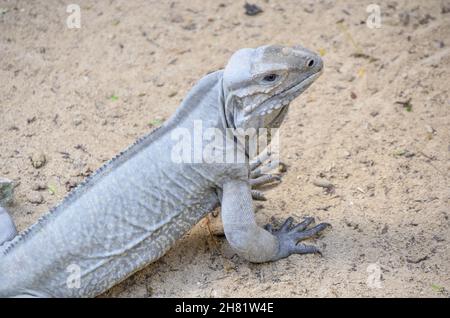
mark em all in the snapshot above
pixel 259 181
pixel 253 242
pixel 7 227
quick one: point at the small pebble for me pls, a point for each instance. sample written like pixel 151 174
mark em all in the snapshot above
pixel 252 9
pixel 323 183
pixel 38 186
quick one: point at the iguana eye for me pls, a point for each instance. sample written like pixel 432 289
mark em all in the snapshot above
pixel 270 78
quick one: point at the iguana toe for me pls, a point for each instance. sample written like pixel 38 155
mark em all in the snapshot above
pixel 7 227
pixel 264 179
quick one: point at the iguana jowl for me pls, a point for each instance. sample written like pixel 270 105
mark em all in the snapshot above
pixel 133 209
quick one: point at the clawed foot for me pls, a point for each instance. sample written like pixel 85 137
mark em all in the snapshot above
pixel 7 227
pixel 289 235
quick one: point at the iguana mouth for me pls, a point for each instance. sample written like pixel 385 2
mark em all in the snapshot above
pixel 286 96
pixel 279 116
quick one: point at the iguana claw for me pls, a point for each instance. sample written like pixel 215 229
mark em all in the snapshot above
pixel 289 235
pixel 258 178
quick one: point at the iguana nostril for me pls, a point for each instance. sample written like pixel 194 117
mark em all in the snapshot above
pixel 219 101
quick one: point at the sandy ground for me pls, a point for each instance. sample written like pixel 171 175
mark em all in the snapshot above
pixel 78 96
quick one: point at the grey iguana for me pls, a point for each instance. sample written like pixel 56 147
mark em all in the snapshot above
pixel 134 208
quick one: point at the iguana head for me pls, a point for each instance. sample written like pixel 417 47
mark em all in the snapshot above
pixel 260 83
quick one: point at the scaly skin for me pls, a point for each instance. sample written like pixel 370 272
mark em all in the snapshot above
pixel 131 211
